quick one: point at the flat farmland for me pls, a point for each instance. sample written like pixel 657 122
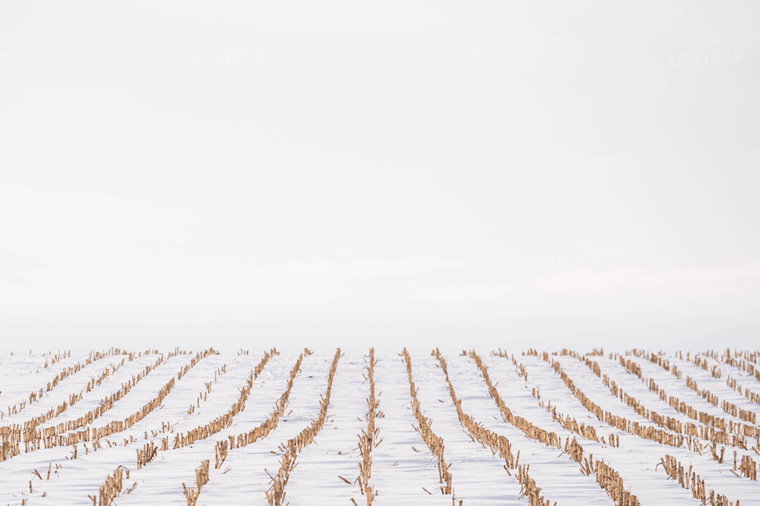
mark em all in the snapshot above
pixel 469 428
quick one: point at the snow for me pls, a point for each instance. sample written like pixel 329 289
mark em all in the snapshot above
pixel 403 469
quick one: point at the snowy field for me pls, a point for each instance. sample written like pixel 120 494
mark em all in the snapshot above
pixel 263 427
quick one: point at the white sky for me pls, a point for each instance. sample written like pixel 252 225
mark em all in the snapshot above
pixel 391 173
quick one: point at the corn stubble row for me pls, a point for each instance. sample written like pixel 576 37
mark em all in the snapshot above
pixel 744 361
pixel 203 396
pixel 369 438
pixel 689 479
pixel 55 358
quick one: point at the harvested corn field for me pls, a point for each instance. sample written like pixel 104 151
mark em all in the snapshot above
pixel 474 427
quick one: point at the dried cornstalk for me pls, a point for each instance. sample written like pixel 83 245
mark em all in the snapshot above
pixel 110 489
pixel 369 438
pixel 689 479
pixel 201 478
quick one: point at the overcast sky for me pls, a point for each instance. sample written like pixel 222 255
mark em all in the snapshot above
pixel 394 173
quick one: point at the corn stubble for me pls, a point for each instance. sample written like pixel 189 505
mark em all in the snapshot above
pixel 369 437
pixel 607 478
pixel 718 437
pixel 276 494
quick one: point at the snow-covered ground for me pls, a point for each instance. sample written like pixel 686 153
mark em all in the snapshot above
pixel 404 470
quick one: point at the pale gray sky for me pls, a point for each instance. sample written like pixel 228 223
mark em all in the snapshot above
pixel 398 173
